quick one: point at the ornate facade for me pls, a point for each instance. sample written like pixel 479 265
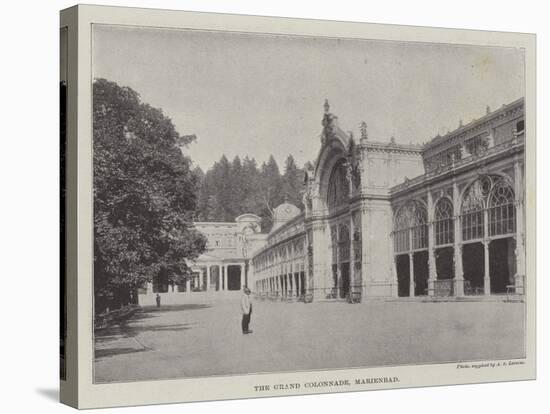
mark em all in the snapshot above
pixel 368 230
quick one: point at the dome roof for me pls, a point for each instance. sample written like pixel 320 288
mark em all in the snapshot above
pixel 284 213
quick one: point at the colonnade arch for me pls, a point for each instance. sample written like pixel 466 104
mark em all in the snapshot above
pixel 410 246
pixel 488 230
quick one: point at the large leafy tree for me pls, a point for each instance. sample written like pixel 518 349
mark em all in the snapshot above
pixel 144 194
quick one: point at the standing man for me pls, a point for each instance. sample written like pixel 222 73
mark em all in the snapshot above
pixel 158 300
pixel 246 308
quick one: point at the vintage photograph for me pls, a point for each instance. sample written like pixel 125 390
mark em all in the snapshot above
pixel 267 203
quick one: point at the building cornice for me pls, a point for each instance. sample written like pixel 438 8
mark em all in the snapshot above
pixel 474 128
pixel 492 154
pixel 390 147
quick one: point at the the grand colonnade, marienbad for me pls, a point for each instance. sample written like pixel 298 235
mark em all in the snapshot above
pixel 383 219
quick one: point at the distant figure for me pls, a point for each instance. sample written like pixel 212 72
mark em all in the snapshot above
pixel 158 300
pixel 246 308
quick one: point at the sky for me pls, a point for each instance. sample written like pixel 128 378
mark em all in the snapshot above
pixel 256 95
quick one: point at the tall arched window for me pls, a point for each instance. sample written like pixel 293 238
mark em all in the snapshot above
pixel 443 223
pixel 495 194
pixel 412 217
pixel 401 232
pixel 338 187
pixel 473 204
pixel 501 210
pixel 420 227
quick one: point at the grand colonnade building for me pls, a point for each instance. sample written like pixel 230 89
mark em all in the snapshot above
pixel 383 219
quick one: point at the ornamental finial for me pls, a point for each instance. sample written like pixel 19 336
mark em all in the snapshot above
pixel 363 129
pixel 327 106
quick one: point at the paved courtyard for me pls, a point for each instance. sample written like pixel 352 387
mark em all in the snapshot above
pixel 202 337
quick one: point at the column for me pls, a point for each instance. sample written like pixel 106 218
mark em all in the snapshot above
pixel 187 285
pixel 486 241
pixel 224 276
pixel 519 277
pixel 486 278
pixel 320 267
pixel 286 283
pixel 207 278
pixel 393 269
pixel 292 283
pixel 299 293
pixel 365 239
pixel 459 273
pixel 411 274
pixel 149 288
pixel 432 271
pixel 243 278
pixel 288 292
pixel 351 257
pixel 306 261
pixel 338 270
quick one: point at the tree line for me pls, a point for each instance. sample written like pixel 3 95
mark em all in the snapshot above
pixel 229 189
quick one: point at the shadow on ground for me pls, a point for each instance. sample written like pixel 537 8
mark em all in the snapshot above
pixel 133 330
pixel 109 352
pixel 122 337
pixel 174 308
